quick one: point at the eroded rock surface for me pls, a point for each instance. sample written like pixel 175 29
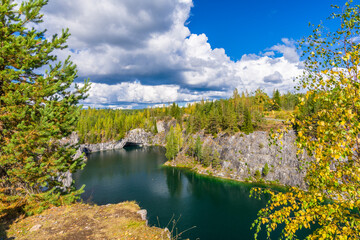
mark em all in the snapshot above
pixel 81 221
pixel 135 136
pixel 242 155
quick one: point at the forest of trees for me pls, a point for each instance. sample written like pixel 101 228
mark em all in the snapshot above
pixel 37 111
pixel 242 112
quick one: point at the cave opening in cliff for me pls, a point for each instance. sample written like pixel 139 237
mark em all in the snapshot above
pixel 132 145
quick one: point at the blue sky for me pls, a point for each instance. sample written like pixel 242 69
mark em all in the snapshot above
pixel 140 53
pixel 250 26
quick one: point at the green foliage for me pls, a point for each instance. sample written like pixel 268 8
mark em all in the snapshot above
pixel 179 138
pixel 265 170
pixel 198 149
pixel 257 175
pixel 276 100
pixel 206 157
pixel 191 146
pixel 248 125
pixel 174 142
pixel 215 159
pixel 36 111
pixel 289 100
pixel 213 124
pixel 104 125
pixel 328 130
pixel 175 111
pixel 204 154
pixel 171 144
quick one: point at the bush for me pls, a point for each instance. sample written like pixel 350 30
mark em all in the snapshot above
pixel 257 175
pixel 265 170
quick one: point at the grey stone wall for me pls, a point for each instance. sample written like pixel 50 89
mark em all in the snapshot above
pixel 242 155
pixel 135 136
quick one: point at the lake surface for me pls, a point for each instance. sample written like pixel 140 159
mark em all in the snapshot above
pixel 218 209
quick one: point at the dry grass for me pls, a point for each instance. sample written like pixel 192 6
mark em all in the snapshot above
pixel 83 221
pixel 283 114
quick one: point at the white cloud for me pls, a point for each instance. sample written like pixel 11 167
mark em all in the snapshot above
pixel 288 49
pixel 117 42
pixel 274 78
pixel 104 95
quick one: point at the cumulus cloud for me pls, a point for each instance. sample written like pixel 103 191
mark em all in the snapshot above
pixel 141 52
pixel 104 95
pixel 288 49
pixel 275 78
pixel 124 24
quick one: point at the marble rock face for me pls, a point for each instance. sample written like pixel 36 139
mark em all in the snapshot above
pixel 135 136
pixel 242 155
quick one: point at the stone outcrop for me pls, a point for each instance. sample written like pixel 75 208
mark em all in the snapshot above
pixel 135 136
pixel 66 177
pixel 241 156
pixel 83 221
pixel 97 147
pixel 138 136
pixel 163 128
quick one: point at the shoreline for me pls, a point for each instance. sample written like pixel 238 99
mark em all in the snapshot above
pixel 209 172
pixel 243 158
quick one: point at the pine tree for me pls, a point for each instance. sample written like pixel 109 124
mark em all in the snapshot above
pixel 213 122
pixel 171 144
pixel 178 137
pixel 198 148
pixel 215 159
pixel 247 125
pixel 206 156
pixel 236 100
pixel 191 146
pixel 276 100
pixel 36 111
pixel 197 121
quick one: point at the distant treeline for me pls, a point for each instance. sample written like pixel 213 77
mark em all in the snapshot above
pixel 242 112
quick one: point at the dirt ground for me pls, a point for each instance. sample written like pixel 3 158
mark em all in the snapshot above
pixel 83 221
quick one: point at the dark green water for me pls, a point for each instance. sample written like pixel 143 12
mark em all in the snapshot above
pixel 219 209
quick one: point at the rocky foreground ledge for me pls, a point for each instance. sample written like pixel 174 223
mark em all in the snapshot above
pixel 82 221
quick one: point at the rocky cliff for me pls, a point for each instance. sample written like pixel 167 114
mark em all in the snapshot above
pixel 241 155
pixel 135 136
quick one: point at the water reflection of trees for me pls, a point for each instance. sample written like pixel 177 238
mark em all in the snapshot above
pixel 173 181
pixel 113 164
pixel 218 190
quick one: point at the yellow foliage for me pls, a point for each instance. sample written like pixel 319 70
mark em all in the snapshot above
pixel 330 137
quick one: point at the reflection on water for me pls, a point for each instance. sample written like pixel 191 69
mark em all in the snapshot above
pixel 219 209
pixel 173 181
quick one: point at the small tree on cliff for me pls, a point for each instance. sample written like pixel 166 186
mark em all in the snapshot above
pixel 171 144
pixel 247 125
pixel 198 148
pixel 330 135
pixel 179 138
pixel 174 142
pixel 36 111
